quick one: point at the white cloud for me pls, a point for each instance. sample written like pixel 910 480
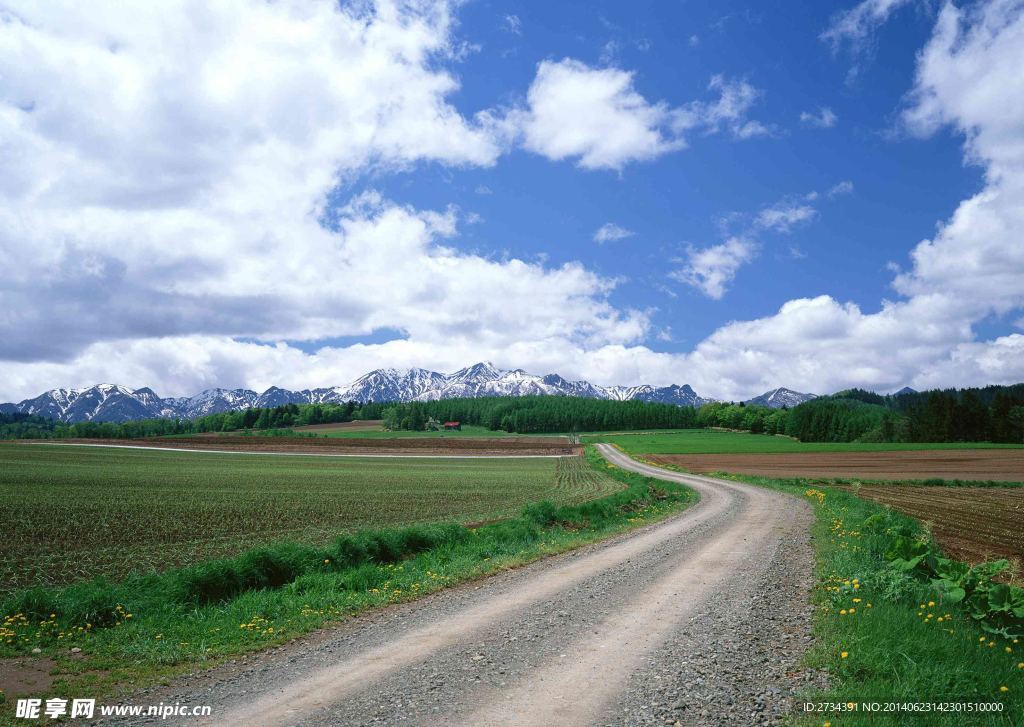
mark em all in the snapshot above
pixel 610 232
pixel 596 116
pixel 711 269
pixel 968 76
pixel 783 216
pixel 161 191
pixel 825 118
pixel 728 112
pixel 841 188
pixel 513 24
pixel 161 197
pixel 855 26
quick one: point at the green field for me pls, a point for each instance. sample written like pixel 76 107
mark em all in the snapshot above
pixel 705 441
pixel 119 511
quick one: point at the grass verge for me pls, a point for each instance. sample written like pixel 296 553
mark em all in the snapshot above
pixel 887 636
pixel 151 627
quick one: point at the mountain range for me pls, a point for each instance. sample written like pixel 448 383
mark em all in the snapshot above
pixel 113 403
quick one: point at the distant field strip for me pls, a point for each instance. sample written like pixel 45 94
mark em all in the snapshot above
pixel 512 446
pixel 68 513
pixel 703 441
pixel 972 524
pixel 1002 465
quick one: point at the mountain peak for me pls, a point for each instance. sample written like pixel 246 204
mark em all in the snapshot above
pixel 109 402
pixel 781 398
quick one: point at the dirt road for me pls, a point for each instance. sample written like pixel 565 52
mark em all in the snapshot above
pixel 700 619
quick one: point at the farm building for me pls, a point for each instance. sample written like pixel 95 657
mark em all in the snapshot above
pixel 453 425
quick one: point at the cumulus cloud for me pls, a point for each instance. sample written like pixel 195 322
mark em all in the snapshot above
pixel 711 269
pixel 597 117
pixel 973 268
pixel 824 118
pixel 160 187
pixel 610 232
pixel 164 214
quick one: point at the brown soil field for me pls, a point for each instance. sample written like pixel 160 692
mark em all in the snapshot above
pixel 366 425
pixel 1003 465
pixel 427 446
pixel 972 524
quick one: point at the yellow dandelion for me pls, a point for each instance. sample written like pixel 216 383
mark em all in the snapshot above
pixel 844 654
pixel 1004 689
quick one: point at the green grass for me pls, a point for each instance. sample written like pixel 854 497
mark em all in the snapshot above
pixel 146 628
pixel 705 441
pixel 892 653
pixel 122 510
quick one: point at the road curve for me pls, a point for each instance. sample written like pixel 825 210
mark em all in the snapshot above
pixel 700 619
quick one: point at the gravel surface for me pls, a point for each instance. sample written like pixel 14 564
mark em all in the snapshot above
pixel 700 619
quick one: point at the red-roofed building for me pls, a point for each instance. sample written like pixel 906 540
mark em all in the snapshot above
pixel 453 425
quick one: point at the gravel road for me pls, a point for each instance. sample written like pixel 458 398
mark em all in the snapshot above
pixel 700 619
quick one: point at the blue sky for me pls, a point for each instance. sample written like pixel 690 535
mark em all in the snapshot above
pixel 818 196
pixel 539 208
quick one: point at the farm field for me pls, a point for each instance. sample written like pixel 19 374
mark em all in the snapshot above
pixel 511 446
pixel 1000 465
pixel 971 524
pixel 365 425
pixel 704 441
pixel 69 513
pixel 378 432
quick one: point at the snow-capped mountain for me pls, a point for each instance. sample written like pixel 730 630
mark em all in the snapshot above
pixel 107 402
pixel 781 397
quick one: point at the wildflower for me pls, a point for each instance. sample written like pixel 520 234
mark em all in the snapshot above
pixel 1004 689
pixel 1020 665
pixel 981 638
pixel 844 654
pixel 842 612
pixel 856 600
pixel 931 603
pixel 327 560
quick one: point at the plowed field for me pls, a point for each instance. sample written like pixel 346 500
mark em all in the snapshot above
pixel 1005 465
pixel 971 523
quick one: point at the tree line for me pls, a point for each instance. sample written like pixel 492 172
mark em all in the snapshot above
pixel 992 413
pixel 25 426
pixel 537 414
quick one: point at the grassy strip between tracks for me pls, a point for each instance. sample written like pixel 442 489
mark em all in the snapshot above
pixel 890 634
pixel 150 627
